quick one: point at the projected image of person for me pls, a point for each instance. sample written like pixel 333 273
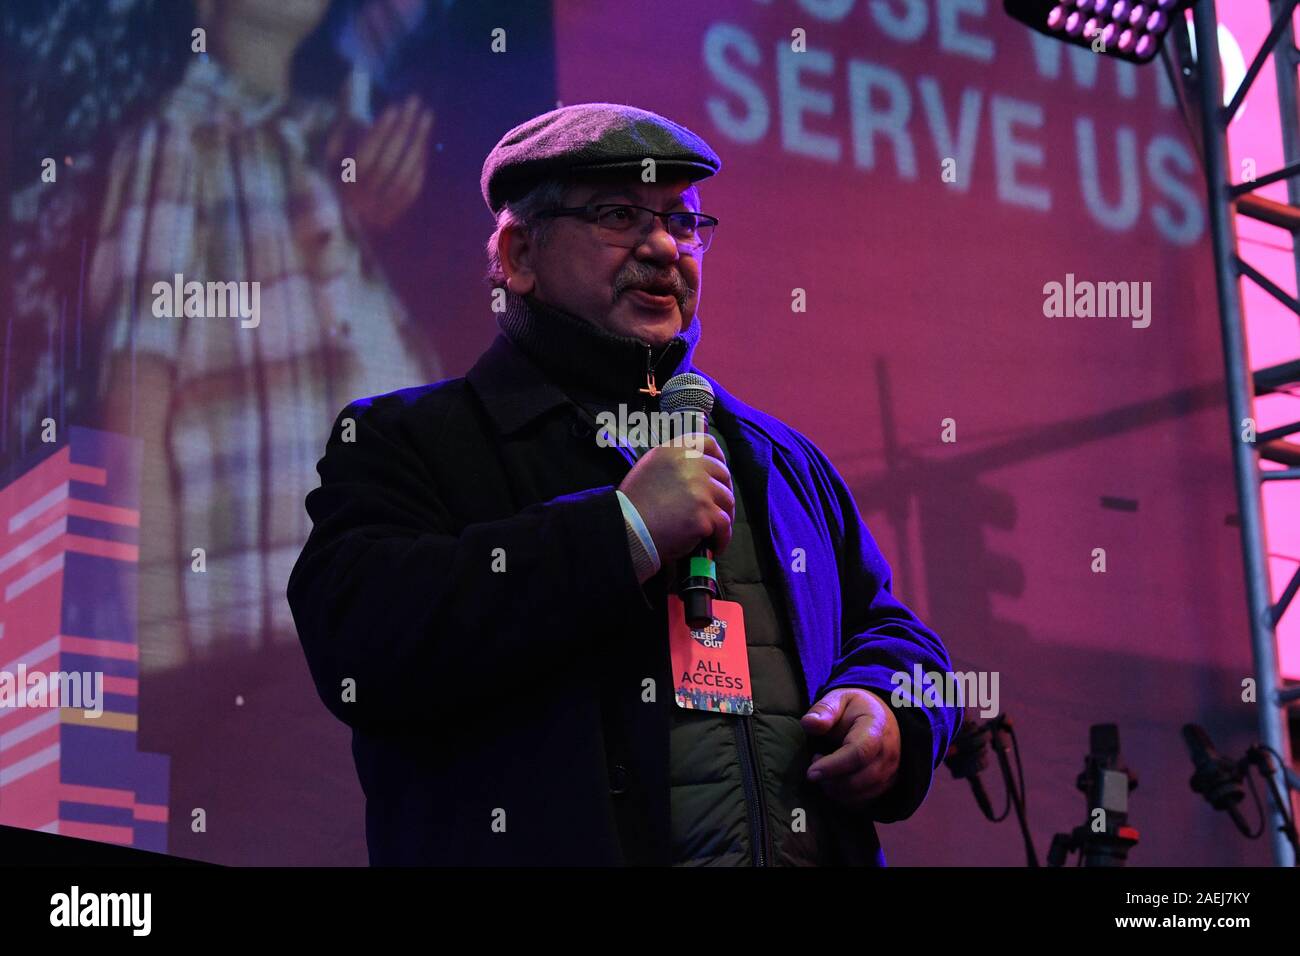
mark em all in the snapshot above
pixel 240 304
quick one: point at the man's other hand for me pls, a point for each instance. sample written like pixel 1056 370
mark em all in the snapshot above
pixel 865 765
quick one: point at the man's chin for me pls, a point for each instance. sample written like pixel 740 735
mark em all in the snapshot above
pixel 652 326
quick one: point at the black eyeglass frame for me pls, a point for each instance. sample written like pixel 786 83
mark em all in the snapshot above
pixel 591 212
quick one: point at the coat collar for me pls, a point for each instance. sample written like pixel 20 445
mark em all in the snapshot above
pixel 545 358
pixel 592 364
pixel 516 392
pixel 512 389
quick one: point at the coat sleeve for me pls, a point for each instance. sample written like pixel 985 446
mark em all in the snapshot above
pixel 880 637
pixel 422 615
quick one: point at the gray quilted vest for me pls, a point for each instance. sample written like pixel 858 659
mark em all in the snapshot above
pixel 738 783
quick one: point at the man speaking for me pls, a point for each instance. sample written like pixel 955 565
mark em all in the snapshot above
pixel 491 594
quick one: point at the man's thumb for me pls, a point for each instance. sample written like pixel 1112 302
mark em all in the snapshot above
pixel 822 715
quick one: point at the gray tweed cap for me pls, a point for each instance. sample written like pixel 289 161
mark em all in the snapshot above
pixel 590 136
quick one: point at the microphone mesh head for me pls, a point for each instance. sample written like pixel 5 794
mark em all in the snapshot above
pixel 687 392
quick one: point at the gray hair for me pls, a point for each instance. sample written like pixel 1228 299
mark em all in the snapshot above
pixel 522 212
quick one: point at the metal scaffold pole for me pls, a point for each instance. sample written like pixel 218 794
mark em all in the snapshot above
pixel 1229 269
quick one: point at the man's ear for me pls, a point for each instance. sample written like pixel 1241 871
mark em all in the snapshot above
pixel 516 250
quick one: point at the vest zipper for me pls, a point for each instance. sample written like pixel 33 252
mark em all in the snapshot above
pixel 755 804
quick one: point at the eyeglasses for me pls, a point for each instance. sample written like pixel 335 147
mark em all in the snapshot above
pixel 627 226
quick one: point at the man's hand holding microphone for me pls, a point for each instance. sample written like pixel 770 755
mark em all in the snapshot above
pixel 684 495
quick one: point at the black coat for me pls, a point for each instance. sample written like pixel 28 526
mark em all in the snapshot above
pixel 501 716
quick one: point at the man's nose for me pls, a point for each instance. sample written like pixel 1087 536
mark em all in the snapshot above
pixel 659 244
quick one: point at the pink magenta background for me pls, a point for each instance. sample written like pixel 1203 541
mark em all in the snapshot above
pixel 926 303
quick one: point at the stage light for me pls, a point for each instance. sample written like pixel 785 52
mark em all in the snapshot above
pixel 1129 29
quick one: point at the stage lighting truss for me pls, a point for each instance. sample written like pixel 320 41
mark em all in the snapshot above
pixel 1134 30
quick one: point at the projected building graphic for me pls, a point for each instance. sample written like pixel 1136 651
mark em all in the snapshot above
pixel 69 534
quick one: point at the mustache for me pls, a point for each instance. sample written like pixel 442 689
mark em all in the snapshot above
pixel 672 284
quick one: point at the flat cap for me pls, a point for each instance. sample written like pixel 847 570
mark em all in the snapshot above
pixel 590 136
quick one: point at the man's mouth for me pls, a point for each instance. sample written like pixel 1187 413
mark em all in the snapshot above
pixel 654 297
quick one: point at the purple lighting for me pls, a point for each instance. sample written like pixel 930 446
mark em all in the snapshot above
pixel 1126 40
pixel 1136 16
pixel 1074 23
pixel 1056 18
pixel 1157 22
pixel 1145 45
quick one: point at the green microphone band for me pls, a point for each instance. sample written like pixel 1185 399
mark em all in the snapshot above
pixel 704 568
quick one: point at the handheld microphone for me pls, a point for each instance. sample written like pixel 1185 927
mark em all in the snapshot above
pixel 691 395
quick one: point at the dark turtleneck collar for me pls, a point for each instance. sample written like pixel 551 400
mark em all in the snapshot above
pixel 585 359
